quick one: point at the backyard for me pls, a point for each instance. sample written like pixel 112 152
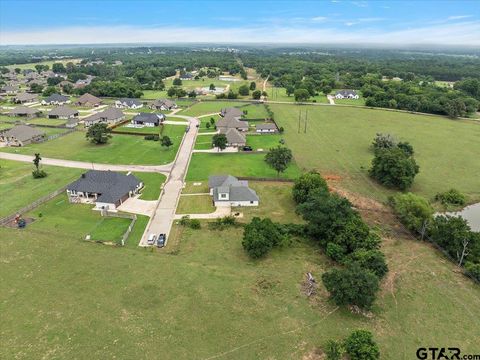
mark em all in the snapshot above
pixel 121 149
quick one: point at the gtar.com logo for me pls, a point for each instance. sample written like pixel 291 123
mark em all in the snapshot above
pixel 441 353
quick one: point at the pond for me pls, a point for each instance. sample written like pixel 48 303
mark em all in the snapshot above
pixel 471 214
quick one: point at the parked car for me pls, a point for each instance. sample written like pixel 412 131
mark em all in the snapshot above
pixel 151 239
pixel 247 148
pixel 161 240
pixel 187 129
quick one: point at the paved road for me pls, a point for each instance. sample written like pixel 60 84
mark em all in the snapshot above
pixel 162 219
pixel 88 165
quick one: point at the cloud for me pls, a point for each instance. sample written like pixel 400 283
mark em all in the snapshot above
pixel 319 19
pixel 361 4
pixel 458 33
pixel 459 17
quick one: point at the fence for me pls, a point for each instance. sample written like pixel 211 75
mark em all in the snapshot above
pixel 265 179
pixel 7 219
pixel 55 136
pixel 125 236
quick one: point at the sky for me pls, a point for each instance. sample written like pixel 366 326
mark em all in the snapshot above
pixel 296 22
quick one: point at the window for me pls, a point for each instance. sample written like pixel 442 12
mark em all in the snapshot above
pixel 223 196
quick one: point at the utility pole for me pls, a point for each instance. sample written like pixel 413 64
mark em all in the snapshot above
pixel 299 116
pixel 306 117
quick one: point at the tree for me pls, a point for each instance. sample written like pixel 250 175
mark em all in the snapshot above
pixel 18 70
pixel 289 90
pixel 177 82
pixel 394 168
pixel 58 68
pixel 166 141
pixel 455 108
pixel 36 88
pixel 413 211
pixel 232 95
pixel 98 133
pixel 37 173
pixel 52 81
pixel 212 121
pixel 352 285
pixel 256 95
pixel 171 92
pixel 361 346
pixel 326 89
pixel 451 197
pixel 253 85
pixel 181 93
pixel 208 125
pixel 279 158
pixel 384 141
pixel 305 184
pixel 49 90
pixel 212 87
pixel 372 260
pixel 301 95
pixel 219 141
pixel 261 235
pixel 244 90
pixel 192 94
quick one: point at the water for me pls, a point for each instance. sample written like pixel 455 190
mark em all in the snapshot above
pixel 471 214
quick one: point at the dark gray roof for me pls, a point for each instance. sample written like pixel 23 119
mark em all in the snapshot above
pixel 232 123
pixel 63 111
pixel 108 114
pixel 237 190
pixel 56 98
pixel 25 97
pixel 266 126
pixel 23 132
pixel 234 136
pixel 165 102
pixel 111 185
pixel 232 111
pixel 130 102
pixel 9 88
pixel 23 110
pixel 148 118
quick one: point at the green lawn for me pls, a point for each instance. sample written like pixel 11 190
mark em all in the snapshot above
pixel 152 183
pixel 203 165
pixel 121 149
pixel 208 107
pixel 18 188
pixel 265 141
pixel 4 126
pixel 280 94
pixel 204 142
pixel 47 62
pixel 338 142
pixel 145 130
pixel 196 204
pixel 45 121
pixel 255 111
pixel 94 301
pixel 359 102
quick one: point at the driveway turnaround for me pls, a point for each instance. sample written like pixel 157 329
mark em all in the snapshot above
pixel 134 205
pixel 220 211
pixel 88 165
pixel 162 219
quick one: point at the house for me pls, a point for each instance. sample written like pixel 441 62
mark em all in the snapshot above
pixel 266 128
pixel 108 116
pixel 21 135
pixel 128 103
pixel 232 111
pixel 9 89
pixel 106 189
pixel 24 98
pixel 231 123
pixel 62 112
pixel 227 190
pixel 163 104
pixel 148 119
pixel 186 76
pixel 24 111
pixel 71 123
pixel 88 100
pixel 56 99
pixel 81 83
pixel 234 137
pixel 346 94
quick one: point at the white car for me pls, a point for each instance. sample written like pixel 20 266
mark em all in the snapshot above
pixel 151 239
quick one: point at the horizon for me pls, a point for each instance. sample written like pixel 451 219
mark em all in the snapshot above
pixel 326 23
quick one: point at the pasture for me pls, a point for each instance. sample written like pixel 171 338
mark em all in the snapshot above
pixel 338 141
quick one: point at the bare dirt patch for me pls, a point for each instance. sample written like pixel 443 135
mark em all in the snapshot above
pixel 13 224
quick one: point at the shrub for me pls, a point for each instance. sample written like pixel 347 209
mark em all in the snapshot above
pixel 333 350
pixel 473 270
pixel 352 285
pixel 451 197
pixel 384 141
pixel 335 252
pixel 360 345
pixel 38 174
pixel 413 211
pixel 260 236
pixel 195 224
pixel 372 260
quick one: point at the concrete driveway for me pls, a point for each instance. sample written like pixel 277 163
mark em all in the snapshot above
pixel 220 211
pixel 138 206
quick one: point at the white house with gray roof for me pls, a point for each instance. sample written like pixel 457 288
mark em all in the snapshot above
pixel 62 112
pixel 163 104
pixel 227 190
pixel 346 94
pixel 106 189
pixel 56 99
pixel 109 116
pixel 128 103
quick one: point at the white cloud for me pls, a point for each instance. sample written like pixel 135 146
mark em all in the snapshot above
pixel 458 33
pixel 459 17
pixel 319 19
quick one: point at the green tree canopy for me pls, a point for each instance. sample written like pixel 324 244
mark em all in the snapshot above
pixel 279 158
pixel 98 133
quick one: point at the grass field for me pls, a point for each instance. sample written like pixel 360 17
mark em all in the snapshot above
pixel 49 63
pixel 203 165
pixel 280 94
pixel 4 126
pixel 338 142
pixel 264 142
pixel 121 149
pixel 203 142
pixel 359 102
pixel 18 188
pixel 208 107
pixel 126 303
pixel 152 183
pixel 45 121
pixel 145 130
pixel 197 204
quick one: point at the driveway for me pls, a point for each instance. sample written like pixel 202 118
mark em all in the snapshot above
pixel 138 206
pixel 220 211
pixel 331 99
pixel 229 149
pixel 88 165
pixel 162 219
